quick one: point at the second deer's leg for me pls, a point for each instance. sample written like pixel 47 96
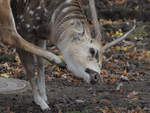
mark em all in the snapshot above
pixel 28 60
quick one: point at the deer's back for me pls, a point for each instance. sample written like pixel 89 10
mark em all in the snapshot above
pixel 32 17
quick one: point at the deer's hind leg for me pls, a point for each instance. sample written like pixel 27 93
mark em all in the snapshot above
pixel 29 60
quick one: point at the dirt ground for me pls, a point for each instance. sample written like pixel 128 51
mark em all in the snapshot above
pixel 124 85
pixel 66 97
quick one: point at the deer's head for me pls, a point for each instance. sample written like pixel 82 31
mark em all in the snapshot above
pixel 81 52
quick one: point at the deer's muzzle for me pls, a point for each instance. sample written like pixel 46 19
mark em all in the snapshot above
pixel 94 75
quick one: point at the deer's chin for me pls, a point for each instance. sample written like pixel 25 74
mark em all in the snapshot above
pixel 85 77
pixel 78 72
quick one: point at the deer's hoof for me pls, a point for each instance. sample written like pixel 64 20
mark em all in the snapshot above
pixel 47 102
pixel 48 110
pixel 62 65
pixel 58 60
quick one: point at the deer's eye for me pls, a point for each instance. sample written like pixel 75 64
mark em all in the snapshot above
pixel 92 51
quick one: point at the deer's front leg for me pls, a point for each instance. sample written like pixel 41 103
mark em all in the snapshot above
pixel 41 74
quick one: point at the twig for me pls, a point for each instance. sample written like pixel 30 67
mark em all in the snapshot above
pixel 117 40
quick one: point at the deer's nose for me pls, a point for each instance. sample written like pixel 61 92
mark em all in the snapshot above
pixel 93 74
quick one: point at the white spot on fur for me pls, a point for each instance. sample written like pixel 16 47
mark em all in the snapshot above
pixel 27 25
pixel 38 7
pixel 25 1
pixel 38 18
pixel 21 16
pixel 31 12
pixel 22 20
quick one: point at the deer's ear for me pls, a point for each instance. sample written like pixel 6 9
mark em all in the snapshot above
pixel 78 28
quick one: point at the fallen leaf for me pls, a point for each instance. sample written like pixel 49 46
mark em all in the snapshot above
pixel 133 96
pixel 9 111
pixel 105 110
pixel 148 53
pixel 73 79
pixel 115 110
pixel 79 101
pixel 6 75
pixel 105 102
pixel 125 78
pixel 119 87
pixel 59 111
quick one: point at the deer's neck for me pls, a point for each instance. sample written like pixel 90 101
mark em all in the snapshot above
pixel 63 19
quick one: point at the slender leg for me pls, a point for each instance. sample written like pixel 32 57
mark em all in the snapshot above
pixel 41 70
pixel 28 60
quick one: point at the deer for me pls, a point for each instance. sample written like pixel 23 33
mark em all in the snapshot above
pixel 66 27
